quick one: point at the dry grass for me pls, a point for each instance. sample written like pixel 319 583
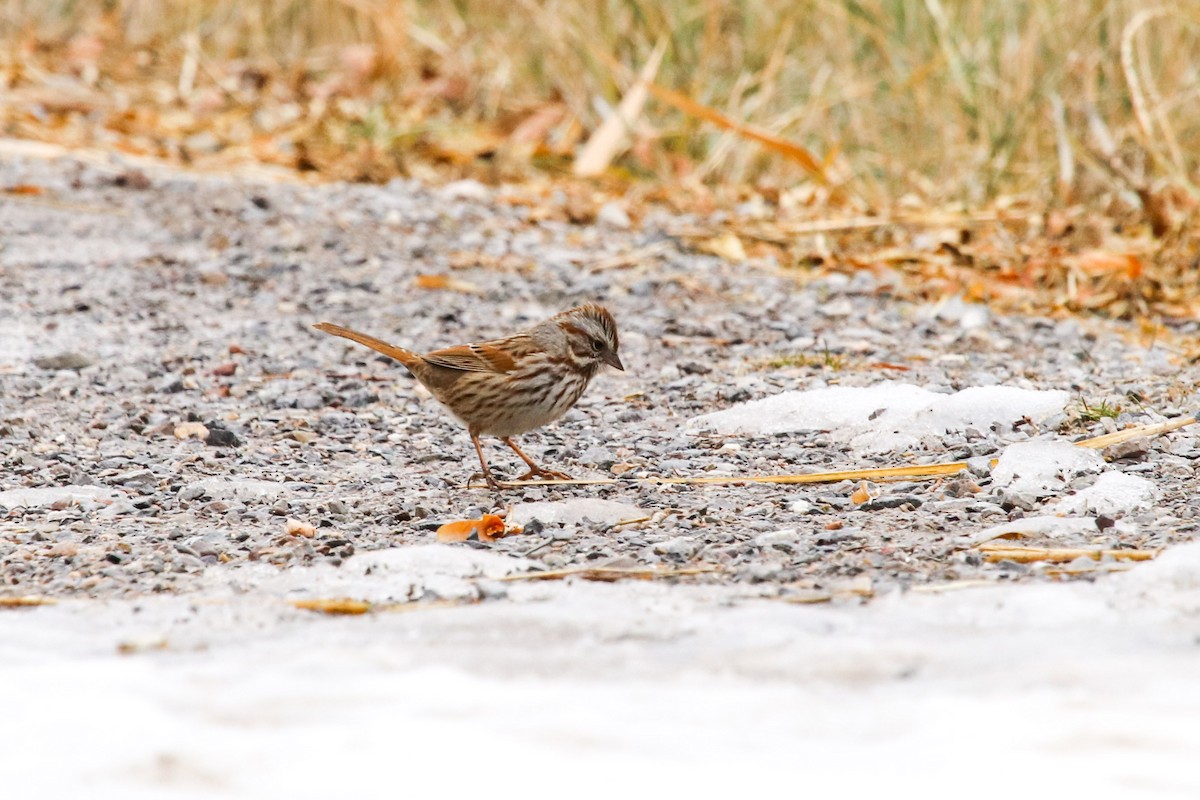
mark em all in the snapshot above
pixel 944 101
pixel 1076 121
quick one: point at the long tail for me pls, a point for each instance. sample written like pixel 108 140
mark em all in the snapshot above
pixel 405 357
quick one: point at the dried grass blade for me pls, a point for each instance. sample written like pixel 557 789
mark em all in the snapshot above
pixel 1025 555
pixel 877 473
pixel 786 148
pixel 600 150
pixel 1157 429
pixel 26 601
pixel 609 574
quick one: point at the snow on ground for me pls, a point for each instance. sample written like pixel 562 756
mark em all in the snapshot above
pixel 1043 468
pixel 698 690
pixel 1113 494
pixel 573 512
pixel 884 417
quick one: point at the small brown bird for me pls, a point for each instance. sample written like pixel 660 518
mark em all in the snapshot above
pixel 506 387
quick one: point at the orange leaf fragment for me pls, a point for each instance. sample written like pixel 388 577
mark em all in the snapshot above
pixel 487 528
pixel 861 495
pixel 1098 262
pixel 777 144
pixel 336 605
pixel 446 282
pixel 24 189
pixel 26 601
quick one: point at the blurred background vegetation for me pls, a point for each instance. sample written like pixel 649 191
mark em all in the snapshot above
pixel 1036 154
pixel 940 100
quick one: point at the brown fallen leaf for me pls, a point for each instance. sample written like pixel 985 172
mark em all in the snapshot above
pixel 727 246
pixel 191 430
pixel 26 189
pixel 1098 262
pixel 26 601
pixel 487 528
pixel 297 527
pixel 142 644
pixel 446 282
pixel 336 605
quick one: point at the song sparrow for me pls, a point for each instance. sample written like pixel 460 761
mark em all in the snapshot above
pixel 506 387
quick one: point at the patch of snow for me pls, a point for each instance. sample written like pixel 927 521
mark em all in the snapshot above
pixel 885 417
pixel 1040 526
pixel 381 576
pixel 1043 468
pixel 573 512
pixel 49 495
pixel 632 677
pixel 466 189
pixel 253 488
pixel 1114 493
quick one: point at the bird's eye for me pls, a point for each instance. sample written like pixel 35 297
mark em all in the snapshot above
pixel 597 345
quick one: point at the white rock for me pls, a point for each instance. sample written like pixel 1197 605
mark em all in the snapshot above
pixel 1040 526
pixel 682 546
pixel 49 495
pixel 466 190
pixel 787 536
pixel 801 507
pixel 1043 468
pixel 612 215
pixel 242 488
pixel 1112 494
pixel 573 512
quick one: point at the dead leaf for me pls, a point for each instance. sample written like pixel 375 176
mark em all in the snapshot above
pixel 26 189
pixel 448 282
pixel 487 528
pixel 339 605
pixel 1098 262
pixel 861 495
pixel 533 130
pixel 297 527
pixel 191 430
pixel 727 246
pixel 142 644
pixel 26 601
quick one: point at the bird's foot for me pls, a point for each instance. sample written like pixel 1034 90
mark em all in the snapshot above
pixel 491 483
pixel 538 473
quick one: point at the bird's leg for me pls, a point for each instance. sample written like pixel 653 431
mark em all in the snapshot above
pixel 492 483
pixel 534 470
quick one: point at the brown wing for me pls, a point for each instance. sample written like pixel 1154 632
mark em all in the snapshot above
pixel 479 357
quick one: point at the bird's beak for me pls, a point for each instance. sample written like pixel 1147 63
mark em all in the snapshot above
pixel 613 360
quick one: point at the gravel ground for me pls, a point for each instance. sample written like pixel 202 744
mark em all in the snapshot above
pixel 134 303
